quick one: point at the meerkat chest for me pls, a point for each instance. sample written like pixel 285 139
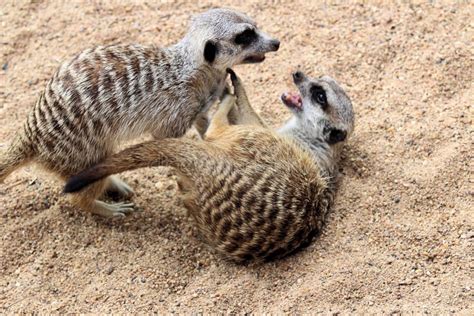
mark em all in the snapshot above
pixel 213 93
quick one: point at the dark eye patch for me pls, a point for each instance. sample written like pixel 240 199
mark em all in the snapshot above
pixel 319 96
pixel 246 37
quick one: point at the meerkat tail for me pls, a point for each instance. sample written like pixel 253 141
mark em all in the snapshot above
pixel 178 153
pixel 18 154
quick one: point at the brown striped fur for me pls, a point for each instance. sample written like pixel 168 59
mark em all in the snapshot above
pixel 254 194
pixel 110 94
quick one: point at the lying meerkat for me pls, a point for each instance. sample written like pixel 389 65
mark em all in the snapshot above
pixel 253 192
pixel 110 94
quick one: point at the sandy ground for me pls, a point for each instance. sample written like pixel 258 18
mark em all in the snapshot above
pixel 400 236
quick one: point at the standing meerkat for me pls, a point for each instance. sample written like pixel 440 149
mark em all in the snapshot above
pixel 253 192
pixel 110 94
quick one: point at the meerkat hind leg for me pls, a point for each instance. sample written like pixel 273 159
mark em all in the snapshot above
pixel 112 210
pixel 117 188
pixel 87 200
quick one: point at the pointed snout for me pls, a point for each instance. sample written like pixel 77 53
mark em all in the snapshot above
pixel 271 44
pixel 298 77
pixel 274 44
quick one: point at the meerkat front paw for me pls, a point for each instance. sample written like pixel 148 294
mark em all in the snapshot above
pixel 225 91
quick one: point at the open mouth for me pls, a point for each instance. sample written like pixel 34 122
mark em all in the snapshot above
pixel 258 58
pixel 292 100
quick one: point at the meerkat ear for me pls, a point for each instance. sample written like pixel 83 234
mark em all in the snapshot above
pixel 335 136
pixel 210 51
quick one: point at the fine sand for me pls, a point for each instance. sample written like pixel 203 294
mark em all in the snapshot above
pixel 400 235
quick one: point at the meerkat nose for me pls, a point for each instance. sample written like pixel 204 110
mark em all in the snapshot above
pixel 298 76
pixel 275 44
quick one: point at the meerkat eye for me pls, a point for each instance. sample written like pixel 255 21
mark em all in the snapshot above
pixel 246 37
pixel 319 96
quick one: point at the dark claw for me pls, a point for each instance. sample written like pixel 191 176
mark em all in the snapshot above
pixel 232 74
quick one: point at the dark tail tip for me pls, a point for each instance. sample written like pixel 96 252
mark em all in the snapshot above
pixel 75 184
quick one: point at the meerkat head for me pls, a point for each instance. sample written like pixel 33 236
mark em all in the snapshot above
pixel 321 108
pixel 227 38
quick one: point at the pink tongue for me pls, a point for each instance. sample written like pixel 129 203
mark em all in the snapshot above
pixel 294 98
